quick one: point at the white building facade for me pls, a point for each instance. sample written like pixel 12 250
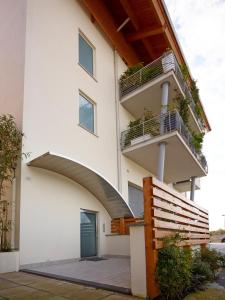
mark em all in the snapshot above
pixel 70 107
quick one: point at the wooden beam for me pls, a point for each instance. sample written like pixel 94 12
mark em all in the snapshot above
pixel 130 13
pixel 146 32
pixel 149 48
pixel 134 20
pixel 106 23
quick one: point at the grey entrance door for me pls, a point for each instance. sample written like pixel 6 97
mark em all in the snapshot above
pixel 88 234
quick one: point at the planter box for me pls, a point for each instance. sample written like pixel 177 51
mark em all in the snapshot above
pixel 9 261
pixel 140 139
pixel 168 63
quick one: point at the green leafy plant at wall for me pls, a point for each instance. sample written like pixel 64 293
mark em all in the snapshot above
pixel 173 269
pixel 10 154
pixel 141 126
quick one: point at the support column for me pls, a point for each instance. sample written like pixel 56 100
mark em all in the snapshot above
pixel 192 195
pixel 162 146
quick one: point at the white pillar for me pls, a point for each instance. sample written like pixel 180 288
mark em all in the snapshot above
pixel 162 146
pixel 165 95
pixel 192 195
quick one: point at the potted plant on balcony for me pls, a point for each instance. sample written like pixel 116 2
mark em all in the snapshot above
pixel 142 129
pixel 147 73
pixel 124 84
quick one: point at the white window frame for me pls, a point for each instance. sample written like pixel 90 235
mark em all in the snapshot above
pixel 94 109
pixel 80 33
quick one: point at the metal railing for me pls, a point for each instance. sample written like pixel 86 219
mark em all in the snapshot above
pixel 158 126
pixel 167 62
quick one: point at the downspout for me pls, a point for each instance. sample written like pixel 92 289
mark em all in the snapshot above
pixel 119 181
pixel 13 213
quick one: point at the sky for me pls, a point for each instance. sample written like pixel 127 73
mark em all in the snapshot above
pixel 200 26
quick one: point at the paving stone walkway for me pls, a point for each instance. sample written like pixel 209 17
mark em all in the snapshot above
pixel 22 286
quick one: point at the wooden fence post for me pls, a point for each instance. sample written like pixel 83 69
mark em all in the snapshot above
pixel 150 252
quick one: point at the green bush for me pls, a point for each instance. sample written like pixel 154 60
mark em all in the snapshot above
pixel 173 271
pixel 181 271
pixel 201 272
pixel 212 257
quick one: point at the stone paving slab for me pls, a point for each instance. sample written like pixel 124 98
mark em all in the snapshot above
pixel 106 271
pixel 21 286
pixel 111 273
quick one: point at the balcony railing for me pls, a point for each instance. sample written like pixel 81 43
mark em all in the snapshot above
pixel 158 126
pixel 160 66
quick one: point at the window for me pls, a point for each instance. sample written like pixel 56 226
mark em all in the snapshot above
pixel 136 201
pixel 86 55
pixel 86 113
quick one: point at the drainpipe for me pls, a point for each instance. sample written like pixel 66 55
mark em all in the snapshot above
pixel 13 213
pixel 119 180
pixel 192 195
pixel 162 145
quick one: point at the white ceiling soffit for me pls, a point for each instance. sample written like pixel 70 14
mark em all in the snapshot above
pixel 108 195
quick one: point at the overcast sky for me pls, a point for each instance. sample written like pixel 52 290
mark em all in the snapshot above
pixel 200 26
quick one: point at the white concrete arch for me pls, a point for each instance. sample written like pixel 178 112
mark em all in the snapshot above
pixel 95 183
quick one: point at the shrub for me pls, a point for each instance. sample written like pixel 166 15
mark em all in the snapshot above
pixel 173 271
pixel 212 257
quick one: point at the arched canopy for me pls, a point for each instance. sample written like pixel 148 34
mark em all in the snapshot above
pixel 110 198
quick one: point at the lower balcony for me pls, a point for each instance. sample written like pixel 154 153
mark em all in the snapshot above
pixel 140 143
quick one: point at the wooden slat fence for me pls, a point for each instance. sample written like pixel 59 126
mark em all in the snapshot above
pixel 167 212
pixel 121 225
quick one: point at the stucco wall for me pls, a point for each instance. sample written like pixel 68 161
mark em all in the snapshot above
pixel 50 205
pixel 12 41
pixel 50 221
pixel 118 245
pixel 53 79
pixel 138 261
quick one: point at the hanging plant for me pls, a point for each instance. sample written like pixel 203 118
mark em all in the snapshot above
pixel 197 140
pixel 182 105
pixel 184 71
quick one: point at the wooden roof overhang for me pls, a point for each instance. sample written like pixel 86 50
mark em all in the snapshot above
pixel 140 30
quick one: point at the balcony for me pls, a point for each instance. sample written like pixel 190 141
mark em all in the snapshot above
pixel 140 144
pixel 143 89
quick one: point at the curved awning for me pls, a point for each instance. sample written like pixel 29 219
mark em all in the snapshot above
pixel 110 198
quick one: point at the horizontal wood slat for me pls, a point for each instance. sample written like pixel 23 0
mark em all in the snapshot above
pixel 178 227
pixel 169 198
pixel 188 235
pixel 171 191
pixel 159 244
pixel 176 209
pixel 173 217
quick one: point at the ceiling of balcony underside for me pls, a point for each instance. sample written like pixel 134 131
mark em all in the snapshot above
pixel 180 164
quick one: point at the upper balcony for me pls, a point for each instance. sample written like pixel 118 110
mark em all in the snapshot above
pixel 142 90
pixel 140 143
